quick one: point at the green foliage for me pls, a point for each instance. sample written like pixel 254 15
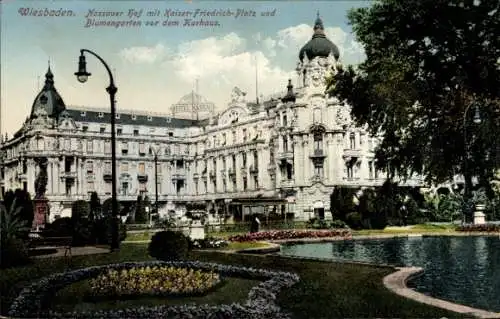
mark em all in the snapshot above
pixel 168 245
pixel 95 206
pixel 342 202
pixel 140 209
pixel 62 227
pixel 102 231
pixel 447 65
pixel 353 220
pixel 82 226
pixel 14 253
pixel 22 200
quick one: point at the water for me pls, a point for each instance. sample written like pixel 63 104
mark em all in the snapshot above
pixel 465 269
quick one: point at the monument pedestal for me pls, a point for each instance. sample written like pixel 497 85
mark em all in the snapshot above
pixel 197 230
pixel 41 213
pixel 479 216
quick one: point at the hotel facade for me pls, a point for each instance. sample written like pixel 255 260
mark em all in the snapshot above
pixel 285 153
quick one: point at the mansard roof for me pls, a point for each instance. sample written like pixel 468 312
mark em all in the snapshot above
pixel 89 115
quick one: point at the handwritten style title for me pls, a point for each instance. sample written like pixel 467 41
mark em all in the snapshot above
pixel 151 17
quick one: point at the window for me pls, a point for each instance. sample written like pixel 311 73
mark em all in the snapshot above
pixel 167 150
pixel 284 120
pixel 350 171
pixel 83 114
pixel 285 144
pixel 90 146
pixel 119 131
pixel 244 135
pixel 124 189
pixel 370 170
pixel 245 184
pixel 234 160
pixel 124 167
pixel 117 116
pixel 224 138
pixel 142 148
pixel 234 136
pixel 234 185
pixel 100 115
pixel 255 159
pixel 107 167
pixel 224 186
pixel 244 156
pixel 158 168
pixel 170 134
pixel 151 130
pixel 141 168
pixel 224 163
pixel 318 141
pixel 150 118
pixel 134 117
pixel 168 120
pixel 107 147
pixel 256 181
pixel 102 129
pixel 352 140
pixel 124 148
pixel 90 168
pixel 90 186
pixel 136 132
pixel 318 170
pixel 85 128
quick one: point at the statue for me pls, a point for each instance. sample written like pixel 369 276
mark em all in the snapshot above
pixel 42 179
pixel 237 95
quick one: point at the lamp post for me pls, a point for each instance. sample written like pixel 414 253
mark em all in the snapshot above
pixel 155 153
pixel 82 76
pixel 476 120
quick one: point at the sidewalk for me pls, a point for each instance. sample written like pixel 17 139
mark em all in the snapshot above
pixel 76 251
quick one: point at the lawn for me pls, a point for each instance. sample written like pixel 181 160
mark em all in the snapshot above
pixel 413 229
pixel 326 289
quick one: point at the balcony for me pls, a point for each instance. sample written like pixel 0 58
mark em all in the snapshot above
pixel 212 174
pixel 178 176
pixel 254 169
pixel 196 175
pixel 287 183
pixel 285 155
pixel 231 172
pixel 107 176
pixel 69 175
pixel 352 152
pixel 318 153
pixel 22 176
pixel 142 177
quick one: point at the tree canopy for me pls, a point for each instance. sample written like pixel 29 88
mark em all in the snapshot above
pixel 427 62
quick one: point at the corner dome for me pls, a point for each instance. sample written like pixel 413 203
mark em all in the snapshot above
pixel 48 98
pixel 319 45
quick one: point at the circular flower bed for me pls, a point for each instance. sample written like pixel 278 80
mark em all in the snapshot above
pixel 32 301
pixel 164 281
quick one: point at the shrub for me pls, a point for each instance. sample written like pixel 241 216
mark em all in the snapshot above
pixel 14 253
pixel 353 220
pixel 168 245
pixel 291 234
pixel 164 281
pixel 487 228
pixel 61 227
pixel 342 202
pixel 338 224
pixel 102 231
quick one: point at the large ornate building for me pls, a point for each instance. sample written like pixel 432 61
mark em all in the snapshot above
pixel 285 154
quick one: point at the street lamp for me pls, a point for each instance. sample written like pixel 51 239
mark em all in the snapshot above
pixel 476 120
pixel 155 152
pixel 82 76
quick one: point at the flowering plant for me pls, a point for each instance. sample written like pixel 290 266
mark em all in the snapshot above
pixel 291 234
pixel 210 242
pixel 153 281
pixel 261 302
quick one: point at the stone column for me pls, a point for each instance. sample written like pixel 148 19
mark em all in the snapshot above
pixel 306 161
pixel 331 156
pixel 50 174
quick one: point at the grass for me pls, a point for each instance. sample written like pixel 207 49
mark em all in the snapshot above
pixel 245 245
pixel 414 229
pixel 326 289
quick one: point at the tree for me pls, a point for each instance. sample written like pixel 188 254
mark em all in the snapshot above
pixel 140 210
pixel 21 199
pixel 427 61
pixel 342 202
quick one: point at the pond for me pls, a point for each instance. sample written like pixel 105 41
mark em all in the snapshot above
pixel 464 269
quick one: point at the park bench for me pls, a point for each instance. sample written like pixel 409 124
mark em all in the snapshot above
pixel 52 242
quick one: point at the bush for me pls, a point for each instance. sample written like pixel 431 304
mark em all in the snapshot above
pixel 14 252
pixel 208 243
pixel 353 220
pixel 168 245
pixel 338 224
pixel 102 231
pixel 61 227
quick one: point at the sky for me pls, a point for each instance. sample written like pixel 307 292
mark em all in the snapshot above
pixel 154 66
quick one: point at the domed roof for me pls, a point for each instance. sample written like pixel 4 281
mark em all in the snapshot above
pixel 48 98
pixel 319 45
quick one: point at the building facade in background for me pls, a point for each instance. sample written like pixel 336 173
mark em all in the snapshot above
pixel 285 154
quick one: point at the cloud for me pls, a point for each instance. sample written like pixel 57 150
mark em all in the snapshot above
pixel 144 54
pixel 222 62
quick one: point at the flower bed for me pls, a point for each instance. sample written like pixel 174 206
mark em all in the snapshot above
pixel 163 281
pixel 291 234
pixel 487 228
pixel 208 243
pixel 32 301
